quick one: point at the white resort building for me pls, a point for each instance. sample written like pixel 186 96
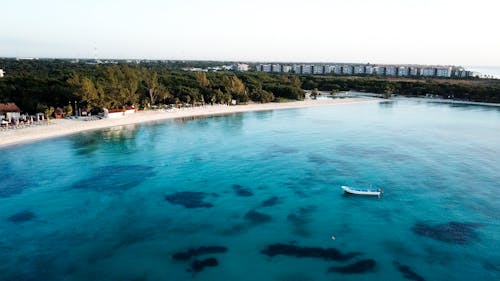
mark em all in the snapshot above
pixel 369 69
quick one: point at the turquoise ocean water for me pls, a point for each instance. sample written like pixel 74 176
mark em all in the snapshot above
pixel 113 204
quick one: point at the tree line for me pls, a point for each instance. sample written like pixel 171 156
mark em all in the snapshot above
pixel 36 86
pixel 42 85
pixel 479 90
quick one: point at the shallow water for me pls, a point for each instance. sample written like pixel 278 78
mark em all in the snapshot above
pixel 118 204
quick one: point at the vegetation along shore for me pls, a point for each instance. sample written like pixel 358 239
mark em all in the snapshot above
pixel 43 85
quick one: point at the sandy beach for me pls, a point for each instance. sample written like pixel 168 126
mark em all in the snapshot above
pixel 63 127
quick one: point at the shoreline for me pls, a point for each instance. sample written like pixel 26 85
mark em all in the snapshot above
pixel 66 127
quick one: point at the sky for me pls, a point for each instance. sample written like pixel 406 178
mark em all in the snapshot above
pixel 448 32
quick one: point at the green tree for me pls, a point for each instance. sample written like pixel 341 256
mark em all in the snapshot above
pixel 314 93
pixel 294 79
pixel 212 98
pixel 155 90
pixel 41 108
pixel 260 95
pixel 235 87
pixel 68 110
pixel 202 80
pixel 388 91
pixel 89 94
pixel 48 112
pixel 130 86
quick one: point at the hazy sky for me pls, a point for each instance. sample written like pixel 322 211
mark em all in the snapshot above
pixel 377 31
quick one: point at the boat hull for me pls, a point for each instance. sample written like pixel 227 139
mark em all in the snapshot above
pixel 356 191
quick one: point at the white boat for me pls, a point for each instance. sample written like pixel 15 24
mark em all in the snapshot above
pixel 362 191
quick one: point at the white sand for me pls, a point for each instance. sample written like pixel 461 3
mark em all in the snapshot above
pixel 62 127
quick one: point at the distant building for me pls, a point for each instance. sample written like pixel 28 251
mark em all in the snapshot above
pixel 427 71
pixel 380 70
pixel 413 71
pixel 391 70
pixel 403 71
pixel 306 69
pixel 327 69
pixel 359 69
pixel 347 69
pixel 240 67
pixel 400 70
pixel 266 67
pixel 461 73
pixel 2 73
pixel 276 68
pixel 194 69
pixel 369 69
pixel 297 69
pixel 474 74
pixel 443 72
pixel 337 69
pixel 318 69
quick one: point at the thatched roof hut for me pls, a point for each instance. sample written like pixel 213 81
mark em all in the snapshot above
pixel 58 113
pixel 9 107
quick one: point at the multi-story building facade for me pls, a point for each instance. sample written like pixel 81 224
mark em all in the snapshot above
pixel 391 71
pixel 413 71
pixel 306 69
pixel 297 69
pixel 380 70
pixel 337 69
pixel 359 70
pixel 369 70
pixel 318 69
pixel 240 67
pixel 403 71
pixel 266 68
pixel 443 71
pixel 328 69
pixel 276 68
pixel 347 69
pixel 428 71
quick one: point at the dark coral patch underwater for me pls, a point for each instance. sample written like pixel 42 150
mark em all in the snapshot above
pixel 242 191
pixel 255 217
pixel 199 265
pixel 189 199
pixel 307 252
pixel 300 220
pixel 116 178
pixel 12 185
pixel 407 272
pixel 194 252
pixel 452 232
pixel 362 266
pixel 270 202
pixel 22 216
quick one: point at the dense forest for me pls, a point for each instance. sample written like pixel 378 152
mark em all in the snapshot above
pixel 479 90
pixel 37 85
